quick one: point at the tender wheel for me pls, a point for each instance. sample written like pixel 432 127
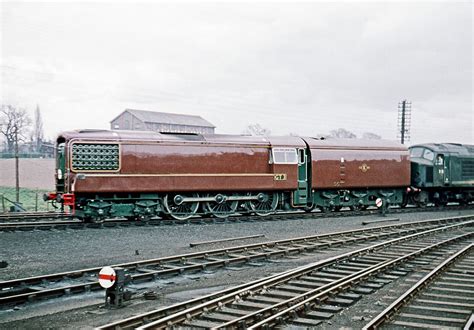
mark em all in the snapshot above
pixel 309 209
pixel 221 208
pixel 142 218
pixel 180 210
pixel 265 205
pixel 358 207
pixel 89 219
pixel 323 209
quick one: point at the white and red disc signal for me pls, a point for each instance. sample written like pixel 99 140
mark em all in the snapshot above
pixel 107 277
pixel 379 202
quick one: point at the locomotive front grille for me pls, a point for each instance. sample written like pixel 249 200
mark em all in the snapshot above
pixel 95 157
pixel 467 169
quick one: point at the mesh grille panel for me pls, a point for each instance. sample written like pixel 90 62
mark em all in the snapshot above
pixel 467 169
pixel 95 157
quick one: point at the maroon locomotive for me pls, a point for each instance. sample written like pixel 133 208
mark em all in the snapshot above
pixel 139 175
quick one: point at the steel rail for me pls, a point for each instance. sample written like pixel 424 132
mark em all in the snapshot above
pixel 407 226
pixel 209 305
pixel 20 215
pixel 32 217
pixel 63 223
pixel 404 299
pixel 10 288
pixel 470 323
pixel 31 225
pixel 348 282
pixel 135 321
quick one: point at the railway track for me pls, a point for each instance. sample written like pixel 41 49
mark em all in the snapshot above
pixel 306 296
pixel 64 221
pixel 79 281
pixel 32 216
pixel 441 299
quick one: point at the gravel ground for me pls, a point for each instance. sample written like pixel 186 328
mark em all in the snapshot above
pixel 38 252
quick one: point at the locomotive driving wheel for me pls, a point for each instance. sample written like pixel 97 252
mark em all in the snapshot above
pixel 222 207
pixel 180 209
pixel 265 204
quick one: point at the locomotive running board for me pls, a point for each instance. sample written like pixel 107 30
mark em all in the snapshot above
pixel 218 198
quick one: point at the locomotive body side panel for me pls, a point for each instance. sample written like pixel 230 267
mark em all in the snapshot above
pixel 336 165
pixel 174 166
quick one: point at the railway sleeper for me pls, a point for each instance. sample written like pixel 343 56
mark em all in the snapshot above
pixel 305 322
pixel 265 299
pixel 430 310
pixel 466 279
pixel 428 321
pixel 250 305
pixel 441 302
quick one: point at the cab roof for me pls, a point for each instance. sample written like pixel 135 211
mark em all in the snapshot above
pixel 458 148
pixel 371 144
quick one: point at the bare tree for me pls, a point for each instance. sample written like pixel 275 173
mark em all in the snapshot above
pixel 342 133
pixel 371 136
pixel 13 125
pixel 37 134
pixel 256 130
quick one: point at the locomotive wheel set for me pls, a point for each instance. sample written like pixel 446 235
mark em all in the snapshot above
pixel 139 175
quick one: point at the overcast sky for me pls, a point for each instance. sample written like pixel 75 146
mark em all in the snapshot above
pixel 302 68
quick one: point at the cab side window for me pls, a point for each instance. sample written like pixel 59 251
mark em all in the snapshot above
pixel 428 154
pixel 439 160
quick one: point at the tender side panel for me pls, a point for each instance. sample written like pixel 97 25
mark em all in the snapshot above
pixel 359 168
pixel 191 167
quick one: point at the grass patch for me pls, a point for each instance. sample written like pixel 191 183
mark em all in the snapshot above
pixel 31 199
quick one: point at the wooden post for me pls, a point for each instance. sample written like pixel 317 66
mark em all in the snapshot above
pixel 36 202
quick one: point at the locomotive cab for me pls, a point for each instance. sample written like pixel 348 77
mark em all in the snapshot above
pixel 61 195
pixel 429 168
pixel 60 167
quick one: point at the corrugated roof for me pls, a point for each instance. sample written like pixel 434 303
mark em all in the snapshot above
pixel 168 118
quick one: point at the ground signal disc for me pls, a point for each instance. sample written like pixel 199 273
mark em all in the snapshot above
pixel 107 277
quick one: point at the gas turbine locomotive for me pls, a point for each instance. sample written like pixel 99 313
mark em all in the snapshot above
pixel 143 174
pixel 139 175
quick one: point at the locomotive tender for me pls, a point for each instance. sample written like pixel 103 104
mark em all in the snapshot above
pixel 139 175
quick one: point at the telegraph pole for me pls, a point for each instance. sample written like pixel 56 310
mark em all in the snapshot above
pixel 17 168
pixel 404 121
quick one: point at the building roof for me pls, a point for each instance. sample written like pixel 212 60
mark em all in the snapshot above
pixel 168 118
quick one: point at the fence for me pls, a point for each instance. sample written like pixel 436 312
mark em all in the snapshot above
pixel 27 155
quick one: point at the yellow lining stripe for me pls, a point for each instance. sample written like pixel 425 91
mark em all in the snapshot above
pixel 180 175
